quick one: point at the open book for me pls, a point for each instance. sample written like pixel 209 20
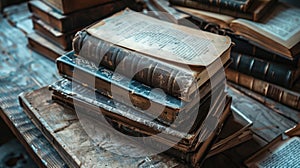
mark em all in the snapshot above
pixel 278 32
pixel 281 152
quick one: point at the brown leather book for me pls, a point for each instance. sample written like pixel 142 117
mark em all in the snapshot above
pixel 76 20
pixel 69 6
pixel 240 5
pixel 277 93
pixel 255 11
pixel 177 65
pixel 63 40
pixel 192 147
pixel 118 86
pixel 44 47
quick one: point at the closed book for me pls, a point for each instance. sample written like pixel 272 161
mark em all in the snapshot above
pixel 118 86
pixel 241 5
pixel 255 12
pixel 192 146
pixel 164 59
pixel 275 92
pixel 63 40
pixel 44 46
pixel 76 20
pixel 70 6
pixel 244 47
pixel 275 73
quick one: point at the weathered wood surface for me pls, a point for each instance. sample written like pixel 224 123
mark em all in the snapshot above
pixel 23 70
pixel 66 134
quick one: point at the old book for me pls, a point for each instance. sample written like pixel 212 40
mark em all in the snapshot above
pixel 63 40
pixel 255 12
pixel 274 33
pixel 140 95
pixel 69 6
pixel 240 5
pixel 275 73
pixel 76 20
pixel 161 59
pixel 189 148
pixel 277 93
pixel 283 151
pixel 245 47
pixel 44 47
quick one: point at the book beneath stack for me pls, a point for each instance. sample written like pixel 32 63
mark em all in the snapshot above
pixel 252 10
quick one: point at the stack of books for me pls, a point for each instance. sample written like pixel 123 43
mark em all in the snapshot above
pixel 56 22
pixel 266 52
pixel 151 79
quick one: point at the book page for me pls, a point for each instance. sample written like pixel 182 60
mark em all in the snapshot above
pixel 282 26
pixel 285 155
pixel 161 39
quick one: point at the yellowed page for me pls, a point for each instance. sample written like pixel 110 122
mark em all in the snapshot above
pixel 161 39
pixel 283 25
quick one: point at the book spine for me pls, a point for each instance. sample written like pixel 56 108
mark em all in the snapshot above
pixel 149 71
pixel 277 93
pixel 244 47
pixel 271 72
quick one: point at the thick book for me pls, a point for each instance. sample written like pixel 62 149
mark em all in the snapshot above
pixel 174 58
pixel 277 93
pixel 192 146
pixel 63 40
pixel 44 47
pixel 283 151
pixel 70 6
pixel 255 12
pixel 76 20
pixel 279 74
pixel 118 86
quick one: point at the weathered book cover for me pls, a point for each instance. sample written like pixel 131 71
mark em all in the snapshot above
pixel 255 12
pixel 63 40
pixel 277 93
pixel 70 6
pixel 279 74
pixel 244 47
pixel 138 124
pixel 177 65
pixel 240 5
pixel 140 95
pixel 71 22
pixel 44 47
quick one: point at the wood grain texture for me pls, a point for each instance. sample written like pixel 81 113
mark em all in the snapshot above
pixel 64 131
pixel 23 70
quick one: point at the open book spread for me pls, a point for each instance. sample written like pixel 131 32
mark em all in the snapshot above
pixel 283 25
pixel 160 39
pixel 285 155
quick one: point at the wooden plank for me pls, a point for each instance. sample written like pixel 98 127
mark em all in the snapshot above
pixel 23 70
pixel 62 128
pixel 266 123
